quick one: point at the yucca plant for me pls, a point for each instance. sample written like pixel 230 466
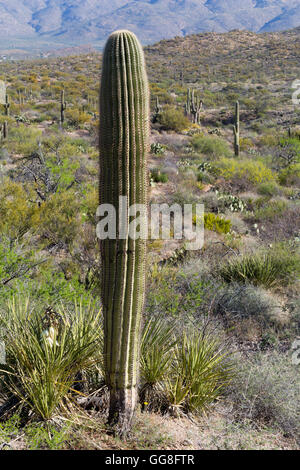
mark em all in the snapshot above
pixel 42 362
pixel 157 344
pixel 200 372
pixel 279 265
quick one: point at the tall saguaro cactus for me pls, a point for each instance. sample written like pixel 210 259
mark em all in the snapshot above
pixel 236 129
pixel 124 142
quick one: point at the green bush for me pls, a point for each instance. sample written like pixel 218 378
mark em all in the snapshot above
pixel 16 210
pixel 159 177
pixel 269 189
pixel 173 119
pixel 23 140
pixel 290 176
pixel 214 223
pixel 39 436
pixel 270 210
pixel 211 146
pixel 254 171
pixel 57 220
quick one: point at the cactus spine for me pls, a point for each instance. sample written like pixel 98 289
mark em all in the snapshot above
pixel 124 142
pixel 63 106
pixel 236 130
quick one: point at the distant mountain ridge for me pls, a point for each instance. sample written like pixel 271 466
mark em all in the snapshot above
pixel 90 21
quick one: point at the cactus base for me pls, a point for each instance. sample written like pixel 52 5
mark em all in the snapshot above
pixel 121 410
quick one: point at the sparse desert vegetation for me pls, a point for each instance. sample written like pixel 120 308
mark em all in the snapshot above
pixel 219 365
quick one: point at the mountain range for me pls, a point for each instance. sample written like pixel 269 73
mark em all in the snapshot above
pixel 75 22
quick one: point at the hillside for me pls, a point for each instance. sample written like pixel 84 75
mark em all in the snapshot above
pixel 62 22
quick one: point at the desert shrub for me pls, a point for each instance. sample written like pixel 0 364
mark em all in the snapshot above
pixel 35 275
pixel 265 391
pixel 270 210
pixel 90 204
pixel 173 119
pixel 77 118
pixel 279 265
pixel 211 146
pixel 268 140
pixel 254 171
pixel 290 176
pixel 23 140
pixel 287 153
pixel 163 296
pixel 172 293
pixel 16 261
pixel 204 177
pixel 269 189
pixel 211 202
pixel 43 356
pixel 58 218
pixel 246 143
pixel 158 176
pixel 39 436
pixel 244 301
pixel 16 210
pixel 214 223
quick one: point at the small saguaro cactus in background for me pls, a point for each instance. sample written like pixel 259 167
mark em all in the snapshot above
pixel 236 130
pixel 157 110
pixel 63 106
pixel 124 145
pixel 5 130
pixel 7 105
pixel 21 98
pixel 193 106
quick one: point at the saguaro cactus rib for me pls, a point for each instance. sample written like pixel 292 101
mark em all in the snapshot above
pixel 124 141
